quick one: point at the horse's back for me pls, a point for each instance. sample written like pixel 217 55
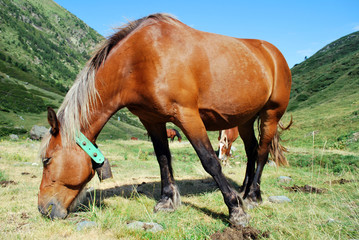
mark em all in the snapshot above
pixel 227 79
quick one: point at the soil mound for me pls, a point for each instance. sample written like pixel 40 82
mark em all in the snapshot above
pixel 306 189
pixel 239 233
pixel 6 183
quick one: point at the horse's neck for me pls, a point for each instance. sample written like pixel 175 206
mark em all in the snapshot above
pixel 98 117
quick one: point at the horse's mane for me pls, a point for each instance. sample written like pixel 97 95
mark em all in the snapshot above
pixel 74 111
pixel 103 51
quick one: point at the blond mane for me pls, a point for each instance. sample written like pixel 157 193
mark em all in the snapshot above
pixel 82 96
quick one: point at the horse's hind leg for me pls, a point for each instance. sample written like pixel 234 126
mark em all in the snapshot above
pixel 193 127
pixel 251 146
pixel 268 127
pixel 170 197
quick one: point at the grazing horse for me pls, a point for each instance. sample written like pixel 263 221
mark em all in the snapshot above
pixel 172 133
pixel 138 67
pixel 226 138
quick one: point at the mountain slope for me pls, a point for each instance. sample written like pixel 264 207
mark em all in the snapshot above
pixel 42 43
pixel 42 49
pixel 325 97
pixel 332 72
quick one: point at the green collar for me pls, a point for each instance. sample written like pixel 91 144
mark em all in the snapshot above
pixel 89 148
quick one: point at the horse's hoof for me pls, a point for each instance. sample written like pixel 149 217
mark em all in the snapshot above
pixel 164 205
pixel 168 204
pixel 239 218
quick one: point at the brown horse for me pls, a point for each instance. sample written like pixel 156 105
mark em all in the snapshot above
pixel 226 138
pixel 138 68
pixel 172 133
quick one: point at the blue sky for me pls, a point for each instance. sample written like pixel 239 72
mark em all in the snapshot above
pixel 297 28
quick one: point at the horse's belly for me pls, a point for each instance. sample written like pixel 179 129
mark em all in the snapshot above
pixel 214 120
pixel 233 106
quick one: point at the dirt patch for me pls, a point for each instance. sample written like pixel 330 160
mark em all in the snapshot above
pixel 306 189
pixel 7 183
pixel 27 173
pixel 339 181
pixel 24 215
pixel 239 233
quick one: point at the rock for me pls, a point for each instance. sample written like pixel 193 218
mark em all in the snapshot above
pixel 271 163
pixel 149 227
pixel 14 137
pixel 284 179
pixel 37 132
pixel 355 137
pixel 85 224
pixel 279 199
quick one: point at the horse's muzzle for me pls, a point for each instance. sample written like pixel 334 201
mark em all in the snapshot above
pixel 53 210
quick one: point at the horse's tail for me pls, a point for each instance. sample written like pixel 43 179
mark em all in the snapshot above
pixel 178 135
pixel 277 150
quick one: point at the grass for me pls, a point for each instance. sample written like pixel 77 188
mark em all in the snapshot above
pixel 331 215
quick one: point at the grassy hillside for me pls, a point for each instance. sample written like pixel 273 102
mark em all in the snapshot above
pixel 41 38
pixel 42 49
pixel 324 98
pixel 333 72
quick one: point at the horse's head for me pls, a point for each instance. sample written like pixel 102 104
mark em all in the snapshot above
pixel 224 149
pixel 66 171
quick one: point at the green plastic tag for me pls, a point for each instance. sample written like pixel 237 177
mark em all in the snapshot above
pixel 89 148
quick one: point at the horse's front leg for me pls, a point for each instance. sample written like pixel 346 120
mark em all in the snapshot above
pixel 170 197
pixel 193 127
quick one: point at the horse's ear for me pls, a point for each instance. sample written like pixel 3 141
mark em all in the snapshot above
pixel 52 119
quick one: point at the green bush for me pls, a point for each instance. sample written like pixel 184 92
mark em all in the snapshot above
pixel 6 131
pixel 17 98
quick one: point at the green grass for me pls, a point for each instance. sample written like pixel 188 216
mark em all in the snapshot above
pixel 3 176
pixel 330 215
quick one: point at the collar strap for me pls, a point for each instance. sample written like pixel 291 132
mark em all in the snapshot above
pixel 89 148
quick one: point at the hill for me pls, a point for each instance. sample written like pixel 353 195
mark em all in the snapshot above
pixel 43 42
pixel 331 72
pixel 42 49
pixel 324 98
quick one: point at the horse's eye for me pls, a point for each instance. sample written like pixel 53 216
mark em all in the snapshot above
pixel 46 160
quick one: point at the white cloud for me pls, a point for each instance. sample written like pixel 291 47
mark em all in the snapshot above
pixel 356 28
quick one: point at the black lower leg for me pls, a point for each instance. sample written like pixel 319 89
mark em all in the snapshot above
pixel 213 167
pixel 254 192
pixel 251 147
pixel 170 198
